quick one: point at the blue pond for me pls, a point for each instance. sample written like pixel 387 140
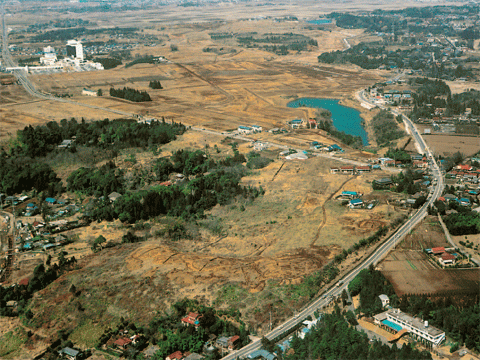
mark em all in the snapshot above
pixel 320 21
pixel 344 118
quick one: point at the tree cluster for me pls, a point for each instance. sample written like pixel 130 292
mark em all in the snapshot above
pixel 386 128
pixel 39 141
pixel 212 184
pixel 463 223
pixel 108 62
pixel 19 174
pixel 98 182
pixel 130 94
pixel 155 84
pixel 371 283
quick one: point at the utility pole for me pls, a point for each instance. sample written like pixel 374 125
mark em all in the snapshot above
pixel 270 320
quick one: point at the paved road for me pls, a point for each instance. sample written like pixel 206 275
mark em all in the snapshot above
pixel 373 259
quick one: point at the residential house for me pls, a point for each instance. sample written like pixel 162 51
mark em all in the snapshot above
pixel 348 169
pixel 193 356
pixel 69 353
pixel 296 123
pixel 114 196
pixel 384 182
pixel 50 200
pixel 334 147
pixel 355 203
pixel 89 92
pixel 222 342
pixel 256 128
pixel 438 250
pixel 245 130
pixel 334 170
pixel 450 197
pixel 233 342
pixel 262 354
pixel 464 201
pixel 177 355
pixel 384 299
pixel 150 351
pixel 122 343
pixel 349 194
pixel 463 167
pixel 65 144
pixel 447 259
pixel 362 169
pixel 192 319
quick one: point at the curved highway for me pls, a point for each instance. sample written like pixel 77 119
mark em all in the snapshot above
pixel 374 258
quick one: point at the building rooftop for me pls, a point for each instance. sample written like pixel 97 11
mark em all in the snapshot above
pixel 415 322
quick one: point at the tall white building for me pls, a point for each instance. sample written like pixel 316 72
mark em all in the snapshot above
pixel 75 49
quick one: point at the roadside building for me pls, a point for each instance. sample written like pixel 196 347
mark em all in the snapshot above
pixel 233 342
pixel 262 354
pixel 222 342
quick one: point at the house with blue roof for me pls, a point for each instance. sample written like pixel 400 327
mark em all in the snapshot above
pixel 50 200
pixel 349 194
pixel 355 203
pixel 296 123
pixel 245 130
pixel 334 147
pixel 464 201
pixel 262 354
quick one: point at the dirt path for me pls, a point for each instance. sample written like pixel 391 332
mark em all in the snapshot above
pixel 324 220
pixel 274 176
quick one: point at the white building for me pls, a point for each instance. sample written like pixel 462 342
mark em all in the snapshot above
pixel 384 299
pixel 49 56
pixel 416 327
pixel 245 130
pixel 75 49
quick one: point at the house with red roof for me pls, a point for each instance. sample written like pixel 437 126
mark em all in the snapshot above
pixel 349 169
pixel 447 259
pixel 233 342
pixel 464 167
pixel 177 355
pixel 362 169
pixel 122 343
pixel 192 319
pixel 24 282
pixel 438 250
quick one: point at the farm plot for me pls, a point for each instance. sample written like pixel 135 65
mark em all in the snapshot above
pixel 427 235
pixel 411 272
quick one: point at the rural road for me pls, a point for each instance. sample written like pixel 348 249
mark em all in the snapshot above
pixel 381 251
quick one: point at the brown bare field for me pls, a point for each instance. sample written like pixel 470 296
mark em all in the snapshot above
pixel 447 145
pixel 426 235
pixel 433 281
